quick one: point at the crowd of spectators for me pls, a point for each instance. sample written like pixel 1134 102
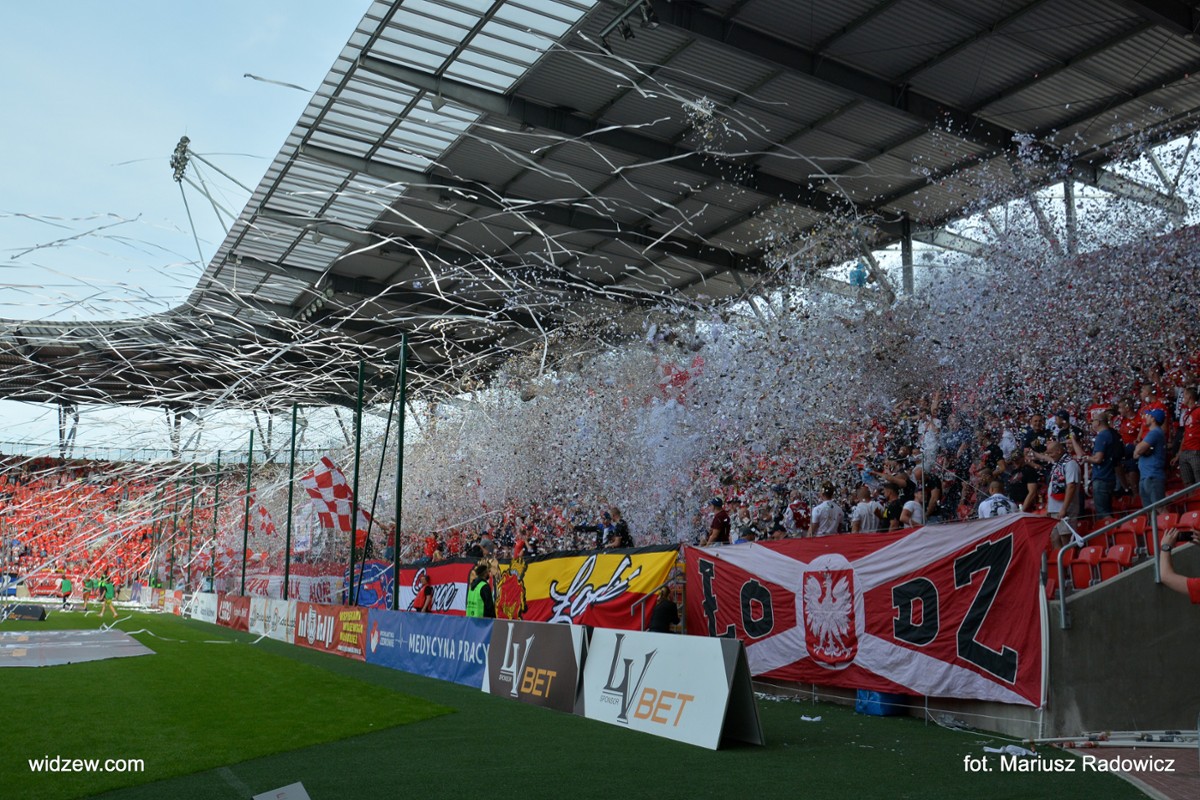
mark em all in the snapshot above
pixel 91 520
pixel 945 457
pixel 524 530
pixel 64 518
pixel 955 457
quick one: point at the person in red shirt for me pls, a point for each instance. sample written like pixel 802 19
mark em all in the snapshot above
pixel 1188 457
pixel 1170 578
pixel 718 529
pixel 1128 424
pixel 1151 401
pixel 422 593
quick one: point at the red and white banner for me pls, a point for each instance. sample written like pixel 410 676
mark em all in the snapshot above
pixel 47 584
pixel 945 611
pixel 309 588
pixel 449 579
pixel 332 497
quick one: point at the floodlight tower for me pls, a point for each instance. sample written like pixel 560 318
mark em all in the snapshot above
pixel 179 159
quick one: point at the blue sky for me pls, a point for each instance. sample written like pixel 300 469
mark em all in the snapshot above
pixel 95 97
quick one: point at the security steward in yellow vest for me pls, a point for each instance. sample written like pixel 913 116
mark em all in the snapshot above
pixel 480 602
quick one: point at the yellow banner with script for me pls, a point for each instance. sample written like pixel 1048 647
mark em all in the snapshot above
pixel 594 588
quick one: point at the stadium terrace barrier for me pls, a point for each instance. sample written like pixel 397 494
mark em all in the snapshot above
pixel 332 629
pixel 1123 663
pixel 204 607
pixel 536 663
pixel 233 612
pixel 437 646
pixel 172 601
pixel 697 690
pixel 1148 545
pixel 688 688
pixel 275 619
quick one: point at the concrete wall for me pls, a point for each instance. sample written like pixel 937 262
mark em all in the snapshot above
pixel 1128 660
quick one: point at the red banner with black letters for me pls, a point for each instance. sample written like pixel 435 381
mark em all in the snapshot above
pixel 945 611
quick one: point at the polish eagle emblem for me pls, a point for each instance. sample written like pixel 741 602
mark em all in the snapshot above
pixel 829 629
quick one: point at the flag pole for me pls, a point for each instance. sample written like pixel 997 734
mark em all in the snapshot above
pixel 212 565
pixel 176 508
pixel 246 521
pixel 187 571
pixel 402 380
pixel 387 430
pixel 351 593
pixel 155 537
pixel 287 547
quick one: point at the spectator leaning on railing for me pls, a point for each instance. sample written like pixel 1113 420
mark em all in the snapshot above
pixel 1170 578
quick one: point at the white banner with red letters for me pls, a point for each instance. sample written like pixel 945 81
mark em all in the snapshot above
pixel 945 611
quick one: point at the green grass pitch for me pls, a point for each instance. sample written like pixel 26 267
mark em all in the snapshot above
pixel 216 721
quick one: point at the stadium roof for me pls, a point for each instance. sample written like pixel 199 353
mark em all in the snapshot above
pixel 491 176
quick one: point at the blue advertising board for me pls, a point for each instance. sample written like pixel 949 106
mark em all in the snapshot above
pixel 434 645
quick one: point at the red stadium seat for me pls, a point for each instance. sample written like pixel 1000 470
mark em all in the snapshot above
pixel 1130 502
pixel 1085 567
pixel 1118 559
pixel 1124 535
pixel 1104 523
pixel 1189 521
pixel 1167 520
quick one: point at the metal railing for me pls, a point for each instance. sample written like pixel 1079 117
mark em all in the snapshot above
pixel 640 603
pixel 1152 546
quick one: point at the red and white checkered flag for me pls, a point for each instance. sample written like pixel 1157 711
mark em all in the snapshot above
pixel 332 498
pixel 260 519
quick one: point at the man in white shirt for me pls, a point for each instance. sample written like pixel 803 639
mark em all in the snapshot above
pixel 1064 491
pixel 827 516
pixel 997 504
pixel 866 514
pixel 913 514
